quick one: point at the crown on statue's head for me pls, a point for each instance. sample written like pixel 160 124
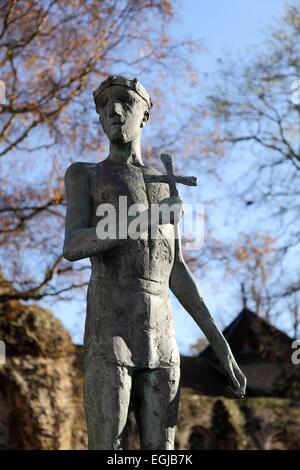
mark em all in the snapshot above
pixel 128 82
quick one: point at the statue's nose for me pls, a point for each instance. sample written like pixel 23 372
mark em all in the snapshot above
pixel 116 108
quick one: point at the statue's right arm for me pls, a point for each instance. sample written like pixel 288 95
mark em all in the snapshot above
pixel 81 240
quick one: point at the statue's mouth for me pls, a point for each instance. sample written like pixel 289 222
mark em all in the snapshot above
pixel 116 123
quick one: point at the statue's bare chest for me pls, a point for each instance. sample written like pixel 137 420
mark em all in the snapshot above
pixel 149 257
pixel 114 184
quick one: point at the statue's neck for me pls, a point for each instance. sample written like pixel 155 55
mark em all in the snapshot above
pixel 126 153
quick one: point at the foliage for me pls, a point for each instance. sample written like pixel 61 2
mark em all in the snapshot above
pixel 53 55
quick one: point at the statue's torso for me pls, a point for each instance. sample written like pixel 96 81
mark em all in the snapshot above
pixel 135 259
pixel 129 318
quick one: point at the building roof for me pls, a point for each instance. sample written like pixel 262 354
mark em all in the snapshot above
pixel 252 338
pixel 263 353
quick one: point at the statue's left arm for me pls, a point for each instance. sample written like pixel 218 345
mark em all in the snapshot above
pixel 183 285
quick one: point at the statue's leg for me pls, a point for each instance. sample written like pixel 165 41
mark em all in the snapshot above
pixel 156 399
pixel 106 400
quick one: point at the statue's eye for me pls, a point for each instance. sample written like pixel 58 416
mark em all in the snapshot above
pixel 128 100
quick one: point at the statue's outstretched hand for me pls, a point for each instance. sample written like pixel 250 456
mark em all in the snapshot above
pixel 236 377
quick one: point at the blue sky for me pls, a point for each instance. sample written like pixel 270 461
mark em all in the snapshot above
pixel 234 26
pixel 230 25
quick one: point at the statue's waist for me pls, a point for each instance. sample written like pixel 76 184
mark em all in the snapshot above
pixel 134 267
pixel 135 284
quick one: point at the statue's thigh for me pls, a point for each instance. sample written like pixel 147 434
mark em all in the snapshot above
pixel 107 390
pixel 156 398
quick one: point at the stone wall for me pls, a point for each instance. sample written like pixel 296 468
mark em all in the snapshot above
pixel 251 423
pixel 41 382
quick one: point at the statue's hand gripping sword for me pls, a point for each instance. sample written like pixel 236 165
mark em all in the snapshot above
pixel 171 180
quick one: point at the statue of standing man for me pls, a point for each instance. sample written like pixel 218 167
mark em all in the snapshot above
pixel 129 343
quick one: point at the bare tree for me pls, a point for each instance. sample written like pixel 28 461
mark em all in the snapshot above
pixel 52 55
pixel 253 110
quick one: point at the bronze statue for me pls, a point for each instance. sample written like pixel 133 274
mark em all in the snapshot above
pixel 130 346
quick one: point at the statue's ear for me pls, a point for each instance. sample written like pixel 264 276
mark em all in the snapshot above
pixel 145 118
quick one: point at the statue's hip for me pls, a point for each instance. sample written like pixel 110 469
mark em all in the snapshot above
pixel 131 324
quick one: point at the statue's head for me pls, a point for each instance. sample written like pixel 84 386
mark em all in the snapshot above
pixel 123 106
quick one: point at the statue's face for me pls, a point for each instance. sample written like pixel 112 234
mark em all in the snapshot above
pixel 122 113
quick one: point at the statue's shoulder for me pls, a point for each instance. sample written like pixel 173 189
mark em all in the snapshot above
pixel 79 170
pixel 151 170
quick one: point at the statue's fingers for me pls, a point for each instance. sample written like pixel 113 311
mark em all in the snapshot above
pixel 239 393
pixel 231 375
pixel 242 379
pixel 230 391
pixel 234 393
